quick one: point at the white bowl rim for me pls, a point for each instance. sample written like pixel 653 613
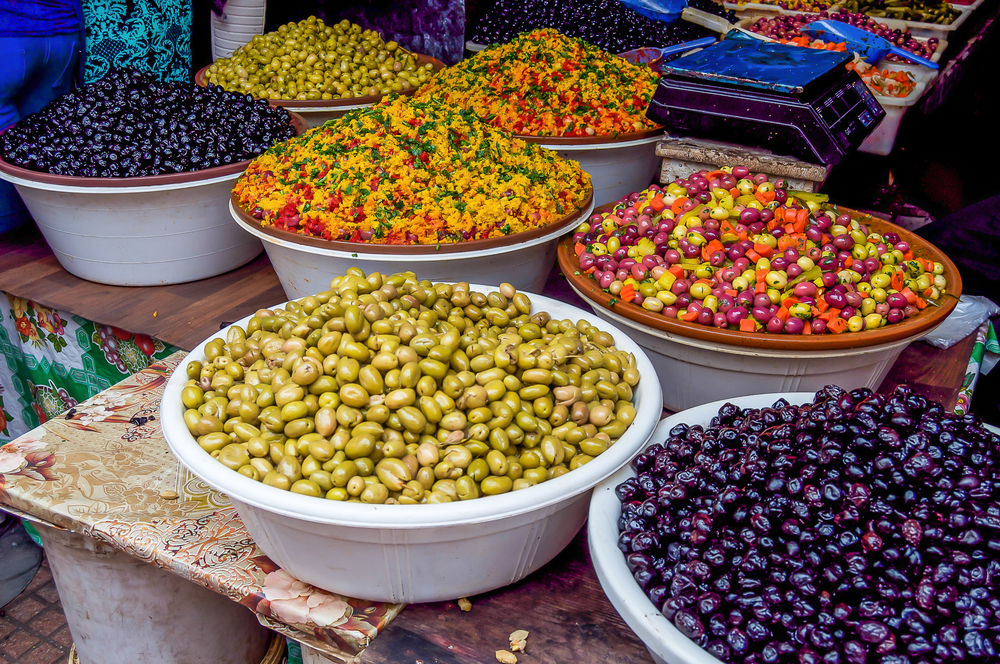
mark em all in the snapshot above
pixel 70 189
pixel 658 634
pixel 747 350
pixel 360 255
pixel 306 508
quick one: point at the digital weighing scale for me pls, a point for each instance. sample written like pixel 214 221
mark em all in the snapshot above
pixel 793 101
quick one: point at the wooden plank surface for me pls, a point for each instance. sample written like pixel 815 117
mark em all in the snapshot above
pixel 562 606
pixel 180 314
pixel 934 373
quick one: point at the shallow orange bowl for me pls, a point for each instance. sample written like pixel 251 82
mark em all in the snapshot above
pixel 914 326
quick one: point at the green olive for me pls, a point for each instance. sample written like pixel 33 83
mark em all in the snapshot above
pixel 393 473
pixel 277 480
pixel 493 485
pixel 360 446
pixel 306 488
pixel 386 389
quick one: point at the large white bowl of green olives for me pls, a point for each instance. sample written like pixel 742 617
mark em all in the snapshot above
pixel 404 441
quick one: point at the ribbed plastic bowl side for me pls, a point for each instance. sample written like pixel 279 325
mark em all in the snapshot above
pixel 420 553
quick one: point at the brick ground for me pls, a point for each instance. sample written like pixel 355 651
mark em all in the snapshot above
pixel 32 627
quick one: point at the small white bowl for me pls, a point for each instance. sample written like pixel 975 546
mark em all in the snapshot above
pixel 665 642
pixel 417 553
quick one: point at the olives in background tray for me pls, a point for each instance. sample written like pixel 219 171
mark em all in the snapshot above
pixel 608 24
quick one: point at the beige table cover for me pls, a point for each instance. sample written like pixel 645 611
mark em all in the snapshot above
pixel 104 470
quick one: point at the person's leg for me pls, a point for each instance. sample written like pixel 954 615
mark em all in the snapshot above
pixel 50 72
pixel 12 55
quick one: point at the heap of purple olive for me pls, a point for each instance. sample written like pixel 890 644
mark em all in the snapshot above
pixel 130 124
pixel 856 529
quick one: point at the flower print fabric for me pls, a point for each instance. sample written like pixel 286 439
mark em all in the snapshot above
pixel 50 361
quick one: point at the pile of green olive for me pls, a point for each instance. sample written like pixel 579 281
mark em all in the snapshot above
pixel 393 390
pixel 310 60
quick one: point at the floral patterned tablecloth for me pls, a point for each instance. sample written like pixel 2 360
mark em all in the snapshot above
pixel 52 360
pixel 104 470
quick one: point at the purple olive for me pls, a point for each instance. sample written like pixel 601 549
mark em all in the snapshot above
pixel 897 300
pixel 843 242
pixel 805 288
pixel 775 325
pixel 749 215
pixel 793 325
pixel 735 315
pixel 835 299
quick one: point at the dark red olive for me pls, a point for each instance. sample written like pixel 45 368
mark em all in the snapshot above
pixel 819 529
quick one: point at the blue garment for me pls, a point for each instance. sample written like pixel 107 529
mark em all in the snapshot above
pixel 38 18
pixel 35 71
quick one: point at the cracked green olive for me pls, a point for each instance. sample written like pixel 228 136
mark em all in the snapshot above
pixel 384 389
pixel 310 60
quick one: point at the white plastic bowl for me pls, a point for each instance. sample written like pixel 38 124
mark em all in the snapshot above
pixel 139 236
pixel 617 168
pixel 303 269
pixel 694 371
pixel 416 553
pixel 664 641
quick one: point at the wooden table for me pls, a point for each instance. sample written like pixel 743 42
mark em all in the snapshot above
pixel 182 315
pixel 562 605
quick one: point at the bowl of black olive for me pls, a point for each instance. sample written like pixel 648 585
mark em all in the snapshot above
pixel 848 527
pixel 128 177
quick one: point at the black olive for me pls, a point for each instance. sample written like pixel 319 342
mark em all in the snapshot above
pixel 890 512
pixel 92 132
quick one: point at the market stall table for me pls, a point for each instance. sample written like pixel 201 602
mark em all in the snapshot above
pixel 103 470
